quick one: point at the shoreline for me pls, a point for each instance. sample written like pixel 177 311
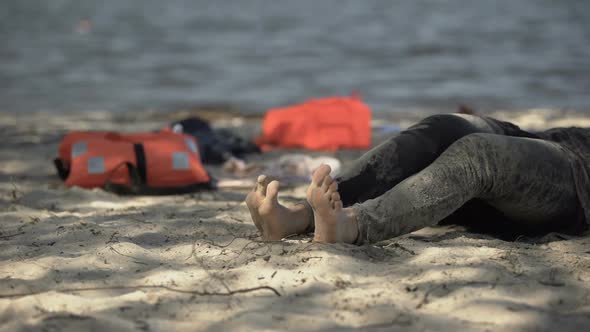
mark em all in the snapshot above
pixel 538 118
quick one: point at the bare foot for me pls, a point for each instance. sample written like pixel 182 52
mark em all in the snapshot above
pixel 333 223
pixel 273 220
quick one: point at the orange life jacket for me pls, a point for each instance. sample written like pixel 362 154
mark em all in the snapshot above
pixel 142 163
pixel 329 123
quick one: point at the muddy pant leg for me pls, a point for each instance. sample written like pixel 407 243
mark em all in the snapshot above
pixel 528 180
pixel 407 153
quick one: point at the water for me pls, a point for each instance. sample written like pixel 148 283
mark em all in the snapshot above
pixel 134 55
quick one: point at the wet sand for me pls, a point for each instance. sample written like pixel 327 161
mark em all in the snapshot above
pixel 74 259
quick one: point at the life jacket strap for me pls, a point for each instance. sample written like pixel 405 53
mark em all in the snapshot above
pixel 141 164
pixel 62 171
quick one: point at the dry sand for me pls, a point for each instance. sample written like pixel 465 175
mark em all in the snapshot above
pixel 73 259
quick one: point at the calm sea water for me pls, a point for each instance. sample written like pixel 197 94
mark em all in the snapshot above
pixel 71 55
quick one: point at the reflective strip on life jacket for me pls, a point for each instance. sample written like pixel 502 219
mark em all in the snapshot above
pixel 101 163
pixel 69 142
pixel 173 161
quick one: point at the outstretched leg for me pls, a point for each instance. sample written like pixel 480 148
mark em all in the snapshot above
pixel 529 181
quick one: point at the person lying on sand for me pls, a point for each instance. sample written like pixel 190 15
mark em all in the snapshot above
pixel 443 165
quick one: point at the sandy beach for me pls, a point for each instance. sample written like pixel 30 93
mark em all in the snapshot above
pixel 74 259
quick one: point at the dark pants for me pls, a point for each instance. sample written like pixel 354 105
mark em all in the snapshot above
pixel 447 162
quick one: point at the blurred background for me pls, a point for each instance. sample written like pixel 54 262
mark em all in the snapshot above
pixel 72 55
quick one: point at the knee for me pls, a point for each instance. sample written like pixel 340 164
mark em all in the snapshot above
pixel 477 142
pixel 479 156
pixel 477 148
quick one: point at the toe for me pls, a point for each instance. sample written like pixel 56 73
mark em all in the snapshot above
pixel 253 203
pixel 318 176
pixel 272 191
pixel 333 187
pixel 261 184
pixel 327 183
pixel 335 197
